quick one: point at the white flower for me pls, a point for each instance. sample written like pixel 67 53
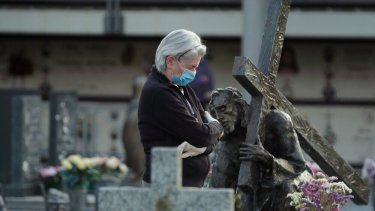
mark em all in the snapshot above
pixel 98 161
pixel 340 187
pixel 88 162
pixel 78 161
pixel 123 169
pixel 81 165
pixel 296 198
pixel 112 162
pixel 74 158
pixel 66 164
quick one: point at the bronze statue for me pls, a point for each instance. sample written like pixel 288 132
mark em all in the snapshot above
pixel 228 106
pixel 279 157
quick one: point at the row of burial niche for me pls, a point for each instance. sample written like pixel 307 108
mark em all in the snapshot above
pixel 21 66
pixel 329 95
pixel 289 68
pixel 88 123
pixel 364 132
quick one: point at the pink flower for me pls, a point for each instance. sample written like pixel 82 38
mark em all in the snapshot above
pixel 313 167
pixel 48 171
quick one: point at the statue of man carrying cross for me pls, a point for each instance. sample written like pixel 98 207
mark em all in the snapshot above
pixel 279 159
pixel 259 81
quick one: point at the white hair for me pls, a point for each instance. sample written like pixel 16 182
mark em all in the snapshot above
pixel 180 43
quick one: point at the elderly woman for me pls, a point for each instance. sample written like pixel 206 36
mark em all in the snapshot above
pixel 170 113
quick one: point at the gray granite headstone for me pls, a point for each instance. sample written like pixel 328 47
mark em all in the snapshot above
pixel 63 115
pixel 27 143
pixel 166 192
pixel 6 131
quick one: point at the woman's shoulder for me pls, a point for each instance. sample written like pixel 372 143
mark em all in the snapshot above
pixel 154 87
pixel 160 91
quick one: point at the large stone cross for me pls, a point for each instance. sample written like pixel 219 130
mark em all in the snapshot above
pixel 260 83
pixel 166 192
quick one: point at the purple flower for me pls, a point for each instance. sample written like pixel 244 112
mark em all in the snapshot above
pixel 339 198
pixel 321 193
pixel 311 189
pixel 368 170
pixel 308 202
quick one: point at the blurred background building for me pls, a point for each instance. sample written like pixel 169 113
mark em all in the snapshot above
pixel 95 48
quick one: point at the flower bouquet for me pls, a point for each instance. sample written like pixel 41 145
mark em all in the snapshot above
pixel 320 193
pixel 78 172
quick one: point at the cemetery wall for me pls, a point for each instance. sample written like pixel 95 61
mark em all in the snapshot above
pixel 99 67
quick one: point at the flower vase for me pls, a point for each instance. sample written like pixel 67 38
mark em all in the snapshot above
pixel 77 199
pixel 373 196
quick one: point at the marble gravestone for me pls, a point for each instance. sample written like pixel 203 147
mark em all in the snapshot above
pixel 166 192
pixel 63 115
pixel 27 144
pixel 257 75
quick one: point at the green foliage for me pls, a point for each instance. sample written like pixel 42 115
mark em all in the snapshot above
pixel 79 179
pixel 78 173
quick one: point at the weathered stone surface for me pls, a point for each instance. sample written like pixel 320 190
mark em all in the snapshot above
pixel 63 115
pixel 165 193
pixel 27 143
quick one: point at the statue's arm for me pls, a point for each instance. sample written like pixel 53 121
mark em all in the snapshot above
pixel 283 169
pixel 275 170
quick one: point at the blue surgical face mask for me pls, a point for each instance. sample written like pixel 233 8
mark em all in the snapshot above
pixel 185 78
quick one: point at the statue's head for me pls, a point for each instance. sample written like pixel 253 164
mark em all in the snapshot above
pixel 280 136
pixel 227 106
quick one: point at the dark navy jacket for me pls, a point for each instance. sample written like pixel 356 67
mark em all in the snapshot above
pixel 166 119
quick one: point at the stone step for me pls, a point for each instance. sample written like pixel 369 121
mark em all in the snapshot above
pixel 30 203
pixel 36 203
